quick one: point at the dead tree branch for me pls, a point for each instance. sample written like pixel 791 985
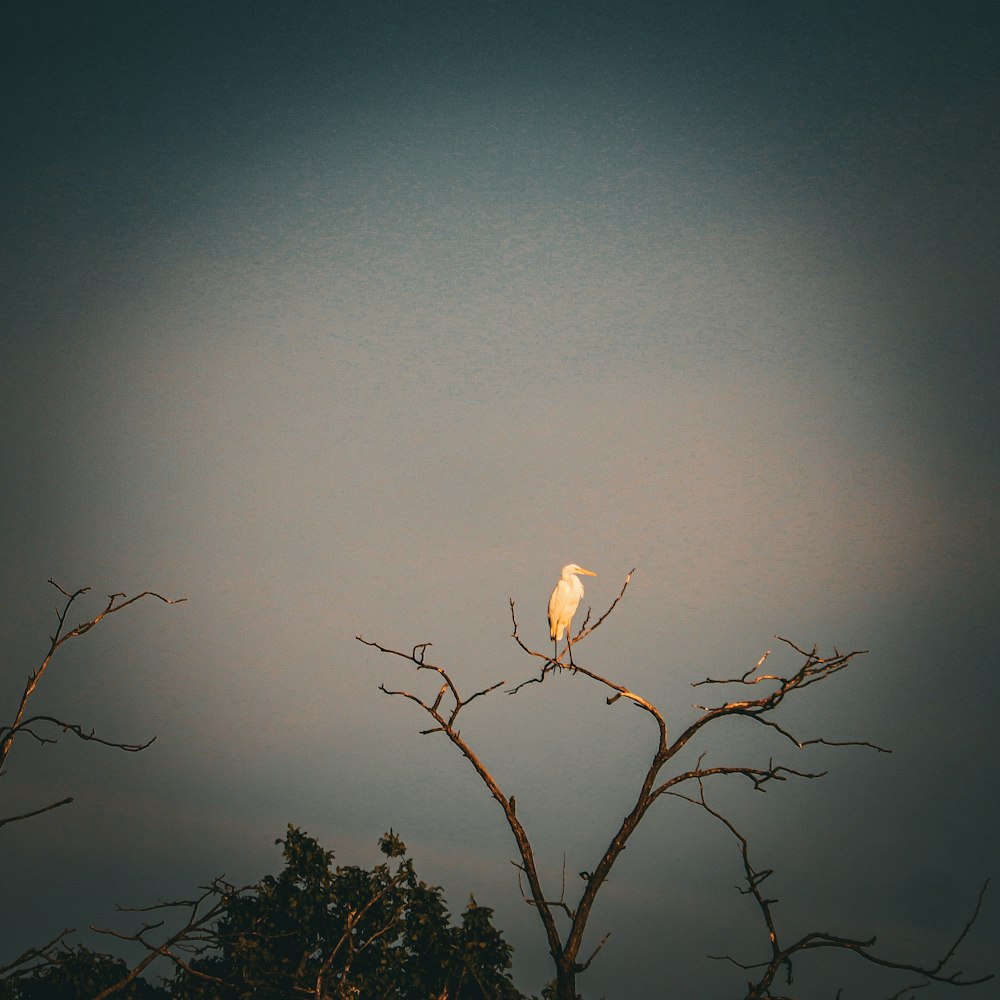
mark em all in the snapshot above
pixel 781 957
pixel 445 723
pixel 28 726
pixel 76 730
pixel 37 812
pixel 770 690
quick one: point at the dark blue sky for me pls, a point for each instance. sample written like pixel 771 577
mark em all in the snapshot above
pixel 365 318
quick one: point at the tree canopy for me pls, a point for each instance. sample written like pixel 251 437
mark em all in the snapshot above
pixel 314 930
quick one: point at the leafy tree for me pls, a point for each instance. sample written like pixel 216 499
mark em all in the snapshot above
pixel 327 932
pixel 315 930
pixel 347 931
pixel 72 973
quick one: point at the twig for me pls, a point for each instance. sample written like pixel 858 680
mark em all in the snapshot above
pixel 781 957
pixel 36 812
pixel 115 603
pixel 34 953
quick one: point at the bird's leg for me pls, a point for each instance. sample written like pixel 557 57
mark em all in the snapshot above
pixel 569 648
pixel 555 654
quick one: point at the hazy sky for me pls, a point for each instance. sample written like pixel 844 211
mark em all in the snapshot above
pixel 343 318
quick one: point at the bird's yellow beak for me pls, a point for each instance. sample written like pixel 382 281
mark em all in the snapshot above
pixel 589 572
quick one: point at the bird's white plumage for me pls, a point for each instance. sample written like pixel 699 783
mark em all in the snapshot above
pixel 565 600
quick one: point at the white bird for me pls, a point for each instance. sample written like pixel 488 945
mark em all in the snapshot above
pixel 563 603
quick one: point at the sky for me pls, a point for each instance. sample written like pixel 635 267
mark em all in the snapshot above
pixel 365 318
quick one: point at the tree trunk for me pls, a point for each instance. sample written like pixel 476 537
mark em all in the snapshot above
pixel 566 981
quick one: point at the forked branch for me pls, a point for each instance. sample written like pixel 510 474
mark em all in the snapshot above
pixel 417 656
pixel 194 936
pixel 782 956
pixel 445 723
pixel 33 958
pixel 41 727
pixel 115 603
pixel 769 692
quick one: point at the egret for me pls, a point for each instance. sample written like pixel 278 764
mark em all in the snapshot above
pixel 563 603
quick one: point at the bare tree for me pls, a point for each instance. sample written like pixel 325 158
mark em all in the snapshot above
pixel 762 694
pixel 44 729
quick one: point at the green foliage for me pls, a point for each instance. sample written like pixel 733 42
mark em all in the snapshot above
pixel 314 930
pixel 74 973
pixel 348 932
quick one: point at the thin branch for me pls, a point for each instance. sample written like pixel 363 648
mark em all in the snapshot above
pixel 76 730
pixel 36 812
pixel 224 893
pixel 782 956
pixel 844 743
pixel 559 904
pixel 813 670
pixel 935 973
pixel 549 662
pixel 33 954
pixel 586 964
pixel 584 631
pixel 115 603
pixel 759 776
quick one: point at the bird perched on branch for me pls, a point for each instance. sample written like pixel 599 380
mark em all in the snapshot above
pixel 563 603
